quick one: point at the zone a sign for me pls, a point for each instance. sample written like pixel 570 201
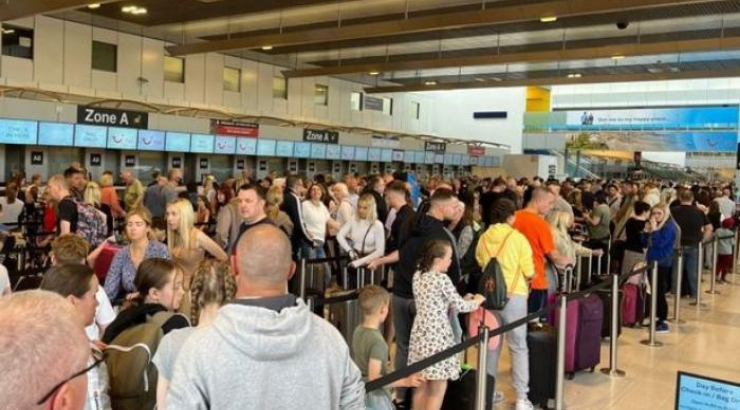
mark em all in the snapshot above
pixel 113 118
pixel 327 137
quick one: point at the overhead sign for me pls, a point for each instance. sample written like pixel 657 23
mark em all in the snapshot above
pixel 476 151
pixel 113 118
pixel 236 128
pixel 438 147
pixel 695 392
pixel 385 142
pixel 327 137
pixel 373 103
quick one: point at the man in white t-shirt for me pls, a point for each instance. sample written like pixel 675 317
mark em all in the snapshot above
pixel 726 204
pixel 10 206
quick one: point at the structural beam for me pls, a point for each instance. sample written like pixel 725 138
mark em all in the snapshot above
pixel 16 9
pixel 585 53
pixel 590 79
pixel 496 15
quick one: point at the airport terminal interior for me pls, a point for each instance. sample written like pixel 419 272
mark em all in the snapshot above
pixel 465 200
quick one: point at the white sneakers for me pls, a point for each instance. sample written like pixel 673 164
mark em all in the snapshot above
pixel 524 404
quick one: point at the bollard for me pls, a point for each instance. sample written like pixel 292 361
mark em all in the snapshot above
pixel 598 267
pixel 698 303
pixel 480 393
pixel 579 262
pixel 613 369
pixel 653 308
pixel 568 280
pixel 345 276
pixel 302 281
pixel 590 269
pixel 713 273
pixel 609 259
pixel 560 375
pixel 677 289
pixel 736 247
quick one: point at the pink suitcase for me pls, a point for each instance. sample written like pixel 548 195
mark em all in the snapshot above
pixel 583 334
pixel 633 307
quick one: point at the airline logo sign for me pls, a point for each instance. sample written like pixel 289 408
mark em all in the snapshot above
pixel 112 118
pixel 326 137
pixel 235 128
pixel 477 151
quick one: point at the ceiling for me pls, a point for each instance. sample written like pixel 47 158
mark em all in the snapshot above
pixel 417 45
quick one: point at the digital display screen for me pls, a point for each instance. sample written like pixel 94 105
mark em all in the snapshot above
pixel 360 153
pixel 90 136
pixel 439 158
pixel 348 153
pixel 373 154
pixel 201 143
pixel 246 146
pixel 178 142
pixel 266 148
pixel 386 155
pixel 429 157
pixel 285 149
pixel 456 159
pixel 333 151
pixel 302 149
pixel 398 155
pixel 318 151
pixel 447 159
pixel 419 157
pixel 409 157
pixel 151 140
pixel 56 134
pixel 18 132
pixel 465 160
pixel 122 138
pixel 225 145
pixel 473 160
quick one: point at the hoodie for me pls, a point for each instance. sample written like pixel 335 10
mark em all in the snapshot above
pixel 424 228
pixel 254 357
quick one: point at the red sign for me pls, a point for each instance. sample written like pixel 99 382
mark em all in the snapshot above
pixel 477 151
pixel 236 128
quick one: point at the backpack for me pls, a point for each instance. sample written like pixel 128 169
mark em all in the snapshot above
pixel 91 224
pixel 493 283
pixel 469 265
pixel 133 376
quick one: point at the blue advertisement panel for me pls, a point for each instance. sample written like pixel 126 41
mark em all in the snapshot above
pixel 711 117
pixel 284 149
pixel 429 157
pixel 333 151
pixel 178 142
pixel 246 146
pixel 225 145
pixel 373 154
pixel 318 151
pixel 90 136
pixel 348 153
pixel 409 156
pixel 386 155
pixel 360 153
pixel 696 141
pixel 302 150
pixel 420 157
pixel 122 138
pixel 266 148
pixel 18 132
pixel 56 134
pixel 201 143
pixel 150 140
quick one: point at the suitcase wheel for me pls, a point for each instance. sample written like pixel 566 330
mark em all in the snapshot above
pixel 593 369
pixel 570 376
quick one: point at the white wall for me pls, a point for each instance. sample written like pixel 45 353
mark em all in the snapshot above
pixel 63 59
pixel 452 115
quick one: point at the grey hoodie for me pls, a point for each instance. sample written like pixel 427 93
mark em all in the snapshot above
pixel 256 358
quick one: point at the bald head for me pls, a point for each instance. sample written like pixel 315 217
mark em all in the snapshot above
pixel 263 260
pixel 42 343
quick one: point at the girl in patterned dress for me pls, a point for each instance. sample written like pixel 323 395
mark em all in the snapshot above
pixel 431 333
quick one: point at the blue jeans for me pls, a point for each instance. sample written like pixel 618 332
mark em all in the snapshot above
pixel 404 311
pixel 516 339
pixel 690 268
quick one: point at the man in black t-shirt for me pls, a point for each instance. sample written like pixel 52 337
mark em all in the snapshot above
pixel 487 199
pixel 67 209
pixel 695 228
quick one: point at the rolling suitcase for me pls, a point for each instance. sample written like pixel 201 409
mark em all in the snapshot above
pixel 460 394
pixel 104 260
pixel 346 315
pixel 542 344
pixel 606 299
pixel 633 308
pixel 583 334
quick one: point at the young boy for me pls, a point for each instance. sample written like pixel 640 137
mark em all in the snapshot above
pixel 369 349
pixel 725 249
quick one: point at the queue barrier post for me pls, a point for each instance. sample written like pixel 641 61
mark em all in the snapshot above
pixel 699 271
pixel 735 249
pixel 713 273
pixel 613 369
pixel 480 396
pixel 560 374
pixel 653 308
pixel 677 289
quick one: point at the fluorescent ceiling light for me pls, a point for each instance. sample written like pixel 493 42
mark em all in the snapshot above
pixel 548 19
pixel 266 48
pixel 93 6
pixel 430 83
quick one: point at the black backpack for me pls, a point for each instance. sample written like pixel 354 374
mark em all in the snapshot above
pixel 493 283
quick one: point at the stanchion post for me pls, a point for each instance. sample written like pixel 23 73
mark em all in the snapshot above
pixel 613 369
pixel 653 308
pixel 480 393
pixel 560 374
pixel 699 271
pixel 568 279
pixel 713 273
pixel 677 289
pixel 302 281
pixel 735 251
pixel 579 274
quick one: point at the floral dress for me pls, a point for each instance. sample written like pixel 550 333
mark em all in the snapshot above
pixel 435 296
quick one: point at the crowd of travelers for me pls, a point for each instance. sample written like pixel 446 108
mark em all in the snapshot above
pixel 200 276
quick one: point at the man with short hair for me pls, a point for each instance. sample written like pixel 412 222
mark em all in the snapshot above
pixel 66 209
pixel 174 177
pixel 397 195
pixel 560 204
pixel 531 223
pixel 695 228
pixel 376 188
pixel 726 204
pixel 76 182
pixel 614 200
pixel 134 193
pixel 43 353
pixel 156 202
pixel 252 199
pixel 265 349
pixel 301 239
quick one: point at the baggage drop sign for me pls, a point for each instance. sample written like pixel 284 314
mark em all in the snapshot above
pixel 695 392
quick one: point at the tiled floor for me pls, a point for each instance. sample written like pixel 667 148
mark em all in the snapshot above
pixel 708 344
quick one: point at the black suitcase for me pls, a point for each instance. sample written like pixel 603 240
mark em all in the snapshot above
pixel 461 393
pixel 606 297
pixel 542 344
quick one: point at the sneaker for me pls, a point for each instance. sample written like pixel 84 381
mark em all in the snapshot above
pixel 662 327
pixel 524 404
pixel 499 397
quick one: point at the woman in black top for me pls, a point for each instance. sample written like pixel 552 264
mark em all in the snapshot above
pixel 634 228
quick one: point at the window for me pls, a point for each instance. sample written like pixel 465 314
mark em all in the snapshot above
pixel 280 88
pixel 174 69
pixel 104 56
pixel 232 79
pixel 321 95
pixel 355 101
pixel 416 110
pixel 17 42
pixel 388 106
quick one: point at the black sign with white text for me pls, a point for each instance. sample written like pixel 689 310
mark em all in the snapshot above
pixel 176 162
pixel 130 161
pixel 37 158
pixel 240 164
pixel 204 163
pixel 96 160
pixel 438 147
pixel 327 137
pixel 112 118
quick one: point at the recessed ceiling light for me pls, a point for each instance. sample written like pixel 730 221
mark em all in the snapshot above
pixel 128 9
pixel 373 73
pixel 139 11
pixel 574 75
pixel 134 10
pixel 618 57
pixel 93 6
pixel 9 31
pixel 549 19
pixel 496 79
pixel 266 48
pixel 430 83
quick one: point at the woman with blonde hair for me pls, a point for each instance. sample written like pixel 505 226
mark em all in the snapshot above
pixel 109 197
pixel 272 209
pixel 187 244
pixel 560 223
pixel 213 286
pixel 363 238
pixel 93 197
pixel 342 210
